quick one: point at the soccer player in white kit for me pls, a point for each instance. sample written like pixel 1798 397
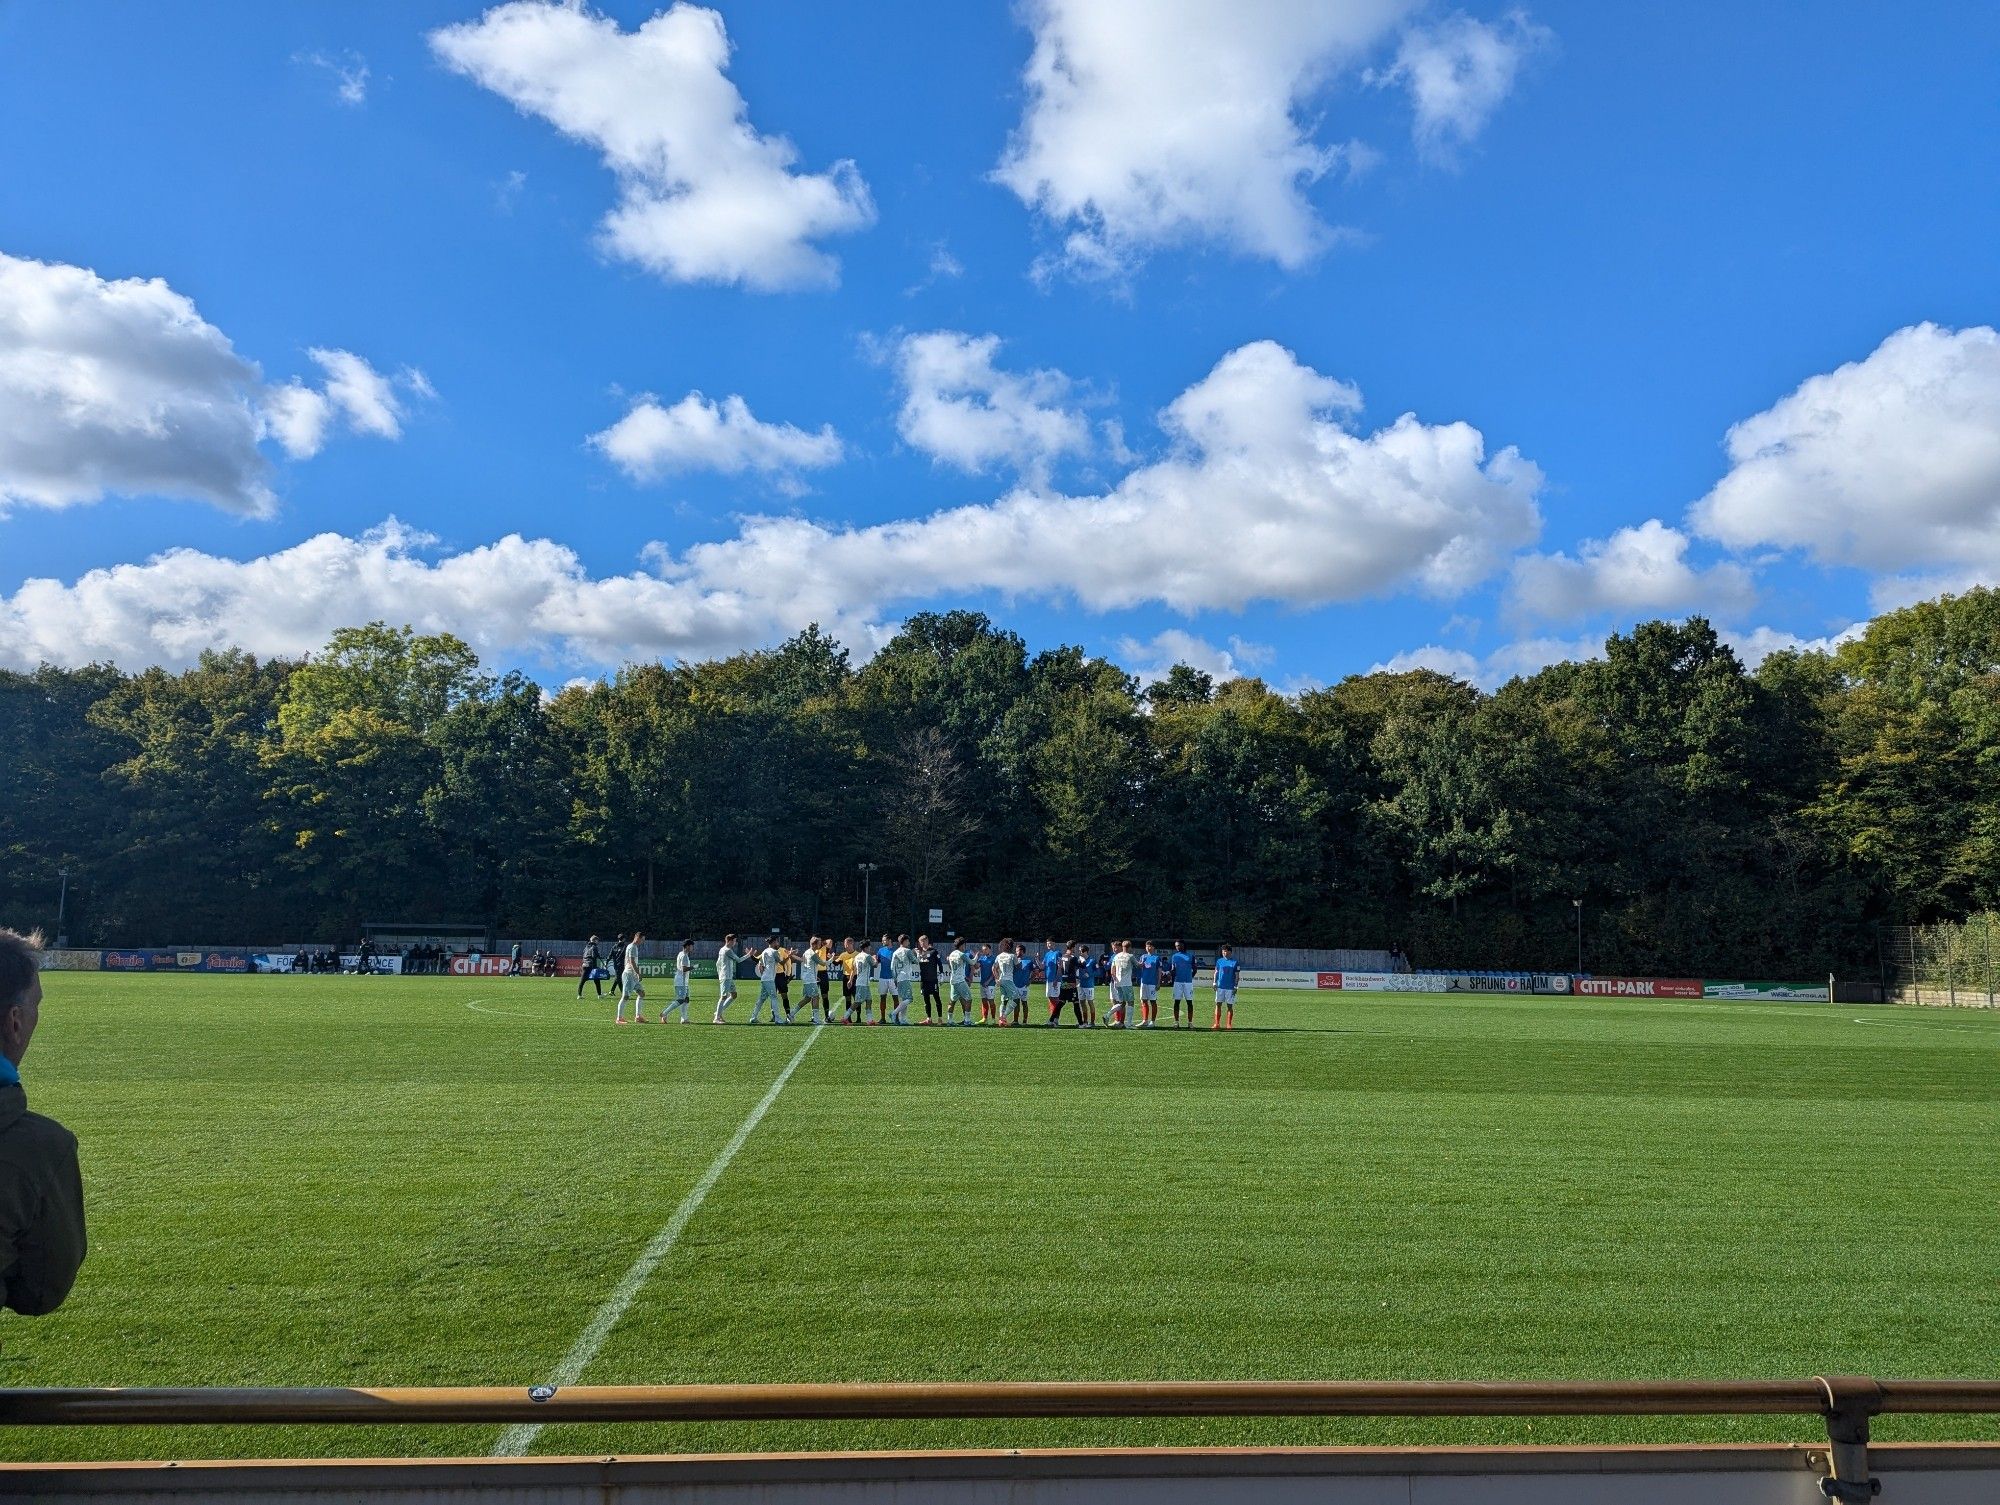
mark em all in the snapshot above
pixel 959 982
pixel 727 960
pixel 631 985
pixel 864 983
pixel 1003 975
pixel 809 998
pixel 903 968
pixel 767 984
pixel 1121 987
pixel 683 976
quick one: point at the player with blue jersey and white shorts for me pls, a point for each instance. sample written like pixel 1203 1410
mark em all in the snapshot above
pixel 1180 967
pixel 1149 987
pixel 1226 973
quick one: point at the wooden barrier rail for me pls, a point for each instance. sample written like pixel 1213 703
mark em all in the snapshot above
pixel 1844 1402
pixel 1818 1396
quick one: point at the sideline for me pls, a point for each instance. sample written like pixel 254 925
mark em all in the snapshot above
pixel 516 1440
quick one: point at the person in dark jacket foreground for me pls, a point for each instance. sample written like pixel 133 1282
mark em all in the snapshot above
pixel 41 1187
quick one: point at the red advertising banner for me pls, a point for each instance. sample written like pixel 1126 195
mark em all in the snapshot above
pixel 1329 981
pixel 1639 987
pixel 479 966
pixel 499 966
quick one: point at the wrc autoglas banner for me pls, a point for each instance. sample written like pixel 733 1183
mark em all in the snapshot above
pixel 1774 992
pixel 63 959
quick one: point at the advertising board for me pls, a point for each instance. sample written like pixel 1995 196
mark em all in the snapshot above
pixel 1392 982
pixel 65 960
pixel 1507 982
pixel 665 968
pixel 147 959
pixel 1301 980
pixel 1774 992
pixel 478 965
pixel 1639 987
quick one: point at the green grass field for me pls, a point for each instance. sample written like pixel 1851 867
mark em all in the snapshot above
pixel 332 1181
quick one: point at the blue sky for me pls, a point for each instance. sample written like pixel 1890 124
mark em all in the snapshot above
pixel 1597 237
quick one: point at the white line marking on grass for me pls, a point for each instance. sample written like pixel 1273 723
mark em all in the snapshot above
pixel 477 1007
pixel 516 1440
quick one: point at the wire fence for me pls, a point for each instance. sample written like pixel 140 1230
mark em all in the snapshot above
pixel 1953 963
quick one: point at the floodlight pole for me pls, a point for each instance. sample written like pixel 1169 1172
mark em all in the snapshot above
pixel 867 872
pixel 62 906
pixel 1578 903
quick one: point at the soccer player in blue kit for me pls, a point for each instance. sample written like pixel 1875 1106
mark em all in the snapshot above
pixel 1226 972
pixel 1149 987
pixel 1086 988
pixel 1181 965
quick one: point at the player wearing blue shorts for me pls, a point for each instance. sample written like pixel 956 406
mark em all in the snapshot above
pixel 1226 973
pixel 1181 966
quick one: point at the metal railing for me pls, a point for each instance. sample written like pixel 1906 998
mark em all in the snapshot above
pixel 1845 1403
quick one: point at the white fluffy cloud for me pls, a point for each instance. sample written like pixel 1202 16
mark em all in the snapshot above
pixel 1458 71
pixel 1636 571
pixel 703 197
pixel 1267 496
pixel 122 388
pixel 1889 463
pixel 1149 659
pixel 1150 122
pixel 1759 643
pixel 511 597
pixel 1509 661
pixel 963 410
pixel 697 434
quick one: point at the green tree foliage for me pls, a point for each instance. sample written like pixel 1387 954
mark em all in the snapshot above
pixel 1707 818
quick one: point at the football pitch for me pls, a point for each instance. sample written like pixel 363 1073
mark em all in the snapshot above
pixel 327 1181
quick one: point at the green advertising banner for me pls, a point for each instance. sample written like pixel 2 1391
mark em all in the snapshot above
pixel 1769 992
pixel 666 968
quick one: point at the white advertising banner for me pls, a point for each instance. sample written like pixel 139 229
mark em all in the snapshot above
pixel 1304 980
pixel 1392 982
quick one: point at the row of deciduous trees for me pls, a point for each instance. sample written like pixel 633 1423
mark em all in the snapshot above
pixel 1712 821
